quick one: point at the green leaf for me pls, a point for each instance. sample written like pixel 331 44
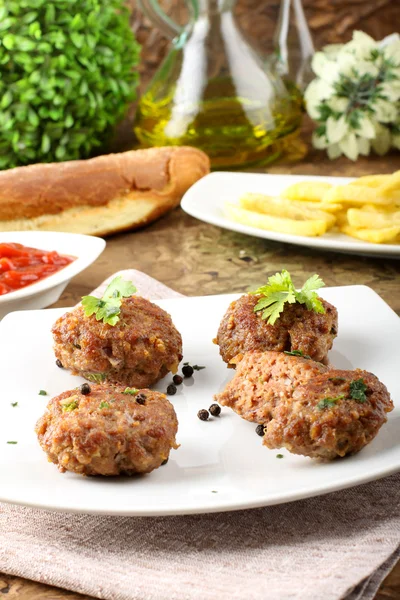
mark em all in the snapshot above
pixel 357 390
pixel 280 291
pixel 131 391
pixel 45 146
pixel 95 377
pixel 119 288
pixel 329 402
pixel 104 405
pixel 296 353
pixel 70 406
pixel 90 305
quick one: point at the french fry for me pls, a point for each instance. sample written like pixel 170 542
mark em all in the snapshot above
pixel 356 194
pixel 278 224
pixel 281 207
pixel 375 236
pixel 361 219
pixel 391 187
pixel 312 191
pixel 372 181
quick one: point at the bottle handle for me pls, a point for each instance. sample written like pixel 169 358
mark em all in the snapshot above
pixel 160 19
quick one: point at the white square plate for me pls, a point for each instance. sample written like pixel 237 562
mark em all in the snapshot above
pixel 221 464
pixel 206 198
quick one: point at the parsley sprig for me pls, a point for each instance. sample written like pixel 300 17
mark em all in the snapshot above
pixel 107 308
pixel 357 390
pixel 329 402
pixel 280 291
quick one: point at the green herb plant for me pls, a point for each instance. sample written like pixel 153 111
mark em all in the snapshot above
pixel 66 77
pixel 107 308
pixel 280 291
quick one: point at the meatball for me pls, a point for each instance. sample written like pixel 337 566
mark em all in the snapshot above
pixel 306 407
pixel 297 328
pixel 139 350
pixel 323 420
pixel 111 431
pixel 262 380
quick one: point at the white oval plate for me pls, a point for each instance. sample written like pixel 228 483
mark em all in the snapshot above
pixel 85 248
pixel 221 464
pixel 205 201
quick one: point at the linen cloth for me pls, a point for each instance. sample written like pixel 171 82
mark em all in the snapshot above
pixel 331 547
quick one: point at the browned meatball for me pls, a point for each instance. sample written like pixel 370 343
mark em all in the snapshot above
pixel 262 380
pixel 297 328
pixel 138 351
pixel 322 420
pixel 306 407
pixel 108 432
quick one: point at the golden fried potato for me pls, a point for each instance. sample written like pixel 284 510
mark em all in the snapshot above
pixel 372 181
pixel 307 227
pixel 363 218
pixel 376 236
pixel 313 191
pixel 356 194
pixel 281 207
pixel 391 187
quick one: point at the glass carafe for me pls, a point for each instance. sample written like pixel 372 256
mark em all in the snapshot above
pixel 212 91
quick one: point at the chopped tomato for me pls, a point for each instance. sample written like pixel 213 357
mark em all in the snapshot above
pixel 21 265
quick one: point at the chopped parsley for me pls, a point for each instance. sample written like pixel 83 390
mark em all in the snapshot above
pixel 12 442
pixel 107 308
pixel 198 368
pixel 358 389
pixel 70 406
pixel 280 291
pixel 214 492
pixel 279 456
pixel 329 402
pixel 130 391
pixel 42 393
pixel 337 379
pixel 104 405
pixel 297 353
pixel 14 404
pixel 95 377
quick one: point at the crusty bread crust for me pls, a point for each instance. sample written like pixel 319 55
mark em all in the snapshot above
pixel 101 195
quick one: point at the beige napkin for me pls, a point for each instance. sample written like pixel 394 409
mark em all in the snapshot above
pixel 336 546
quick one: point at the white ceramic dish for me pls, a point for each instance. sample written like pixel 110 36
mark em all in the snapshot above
pixel 206 198
pixel 221 464
pixel 47 291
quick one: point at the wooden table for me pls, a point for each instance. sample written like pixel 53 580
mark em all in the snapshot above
pixel 200 259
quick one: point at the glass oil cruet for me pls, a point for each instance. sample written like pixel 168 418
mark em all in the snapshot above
pixel 213 91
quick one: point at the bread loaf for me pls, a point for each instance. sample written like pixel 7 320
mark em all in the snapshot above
pixel 101 195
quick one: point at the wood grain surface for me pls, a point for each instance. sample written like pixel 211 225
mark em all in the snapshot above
pixel 199 259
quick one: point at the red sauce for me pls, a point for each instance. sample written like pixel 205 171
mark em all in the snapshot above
pixel 21 266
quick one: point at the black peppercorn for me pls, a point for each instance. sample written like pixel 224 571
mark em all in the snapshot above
pixel 140 398
pixel 59 363
pixel 260 430
pixel 203 414
pixel 215 410
pixel 171 389
pixel 85 389
pixel 177 379
pixel 187 370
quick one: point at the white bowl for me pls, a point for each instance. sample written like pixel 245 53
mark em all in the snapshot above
pixel 85 248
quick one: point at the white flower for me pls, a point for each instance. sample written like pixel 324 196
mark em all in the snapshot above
pixel 391 90
pixel 356 96
pixel 334 151
pixel 396 141
pixel 336 129
pixel 349 146
pixel 326 69
pixel 366 127
pixel 392 52
pixel 365 67
pixel 338 104
pixel 364 146
pixel 381 142
pixel 316 93
pixel 385 111
pixel 319 141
